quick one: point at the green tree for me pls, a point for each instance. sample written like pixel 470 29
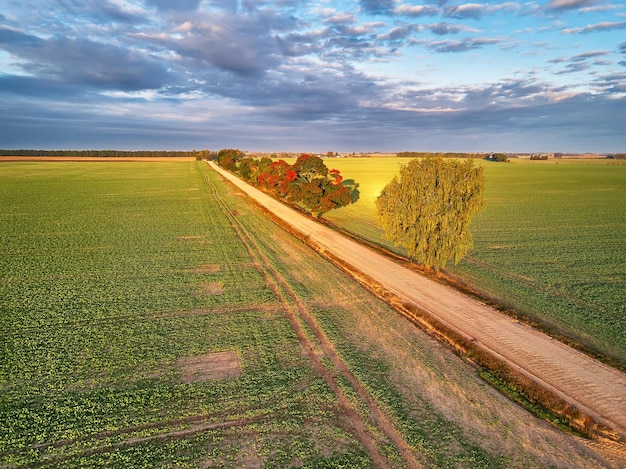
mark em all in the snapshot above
pixel 318 189
pixel 310 167
pixel 428 209
pixel 228 158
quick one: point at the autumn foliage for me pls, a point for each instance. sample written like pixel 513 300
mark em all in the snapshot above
pixel 308 183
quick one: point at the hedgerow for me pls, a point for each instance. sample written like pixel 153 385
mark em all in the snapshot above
pixel 307 184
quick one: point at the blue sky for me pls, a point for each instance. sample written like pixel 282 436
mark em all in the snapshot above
pixel 327 75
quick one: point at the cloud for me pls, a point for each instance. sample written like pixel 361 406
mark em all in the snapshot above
pixel 598 27
pixel 177 5
pixel 574 67
pixel 36 87
pixel 588 55
pixel 612 84
pixel 274 73
pixel 477 10
pixel 442 29
pixel 400 32
pixel 512 115
pixel 599 8
pixel 341 18
pixel 93 13
pixel 120 11
pixel 415 10
pixel 579 62
pixel 563 5
pixel 83 62
pixel 13 38
pixel 243 45
pixel 468 10
pixel 377 7
pixel 461 46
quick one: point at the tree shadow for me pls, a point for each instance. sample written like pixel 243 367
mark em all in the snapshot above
pixel 353 187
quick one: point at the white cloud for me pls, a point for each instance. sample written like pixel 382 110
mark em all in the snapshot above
pixel 416 10
pixel 591 28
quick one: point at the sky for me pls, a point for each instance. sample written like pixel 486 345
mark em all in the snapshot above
pixel 313 76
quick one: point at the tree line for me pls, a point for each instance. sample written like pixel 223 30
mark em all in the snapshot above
pixel 307 184
pixel 109 153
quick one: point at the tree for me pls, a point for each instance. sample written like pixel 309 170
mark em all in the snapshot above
pixel 227 158
pixel 308 183
pixel 278 178
pixel 428 209
pixel 318 189
pixel 310 167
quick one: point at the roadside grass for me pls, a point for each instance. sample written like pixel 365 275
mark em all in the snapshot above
pixel 550 244
pixel 104 311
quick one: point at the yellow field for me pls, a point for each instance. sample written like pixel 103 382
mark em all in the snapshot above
pixel 550 244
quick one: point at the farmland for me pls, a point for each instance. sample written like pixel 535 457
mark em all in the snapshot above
pixel 550 244
pixel 151 317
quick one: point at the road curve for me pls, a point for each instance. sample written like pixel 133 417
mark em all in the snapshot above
pixel 594 388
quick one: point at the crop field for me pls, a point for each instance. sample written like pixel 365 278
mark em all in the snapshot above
pixel 550 244
pixel 152 317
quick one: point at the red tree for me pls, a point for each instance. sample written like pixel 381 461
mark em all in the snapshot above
pixel 307 183
pixel 278 178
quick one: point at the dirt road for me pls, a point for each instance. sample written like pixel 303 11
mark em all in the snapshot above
pixel 593 388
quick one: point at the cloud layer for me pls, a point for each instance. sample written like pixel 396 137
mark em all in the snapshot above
pixel 291 75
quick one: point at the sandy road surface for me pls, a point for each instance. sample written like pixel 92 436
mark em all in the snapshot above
pixel 594 388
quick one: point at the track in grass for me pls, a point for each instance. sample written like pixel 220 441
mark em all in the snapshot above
pixel 297 312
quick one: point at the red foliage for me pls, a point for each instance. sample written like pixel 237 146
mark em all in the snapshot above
pixel 278 178
pixel 291 175
pixel 336 176
pixel 307 182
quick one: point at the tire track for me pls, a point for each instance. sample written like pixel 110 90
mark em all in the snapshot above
pixel 115 446
pixel 550 372
pixel 298 314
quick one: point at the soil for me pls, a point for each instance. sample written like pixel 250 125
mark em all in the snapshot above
pixel 594 394
pixel 215 288
pixel 211 366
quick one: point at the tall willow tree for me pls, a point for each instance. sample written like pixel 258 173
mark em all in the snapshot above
pixel 428 209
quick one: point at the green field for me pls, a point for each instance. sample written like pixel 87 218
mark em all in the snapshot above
pixel 151 317
pixel 550 244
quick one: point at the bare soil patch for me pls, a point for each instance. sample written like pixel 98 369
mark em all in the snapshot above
pixel 215 365
pixel 214 288
pixel 207 269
